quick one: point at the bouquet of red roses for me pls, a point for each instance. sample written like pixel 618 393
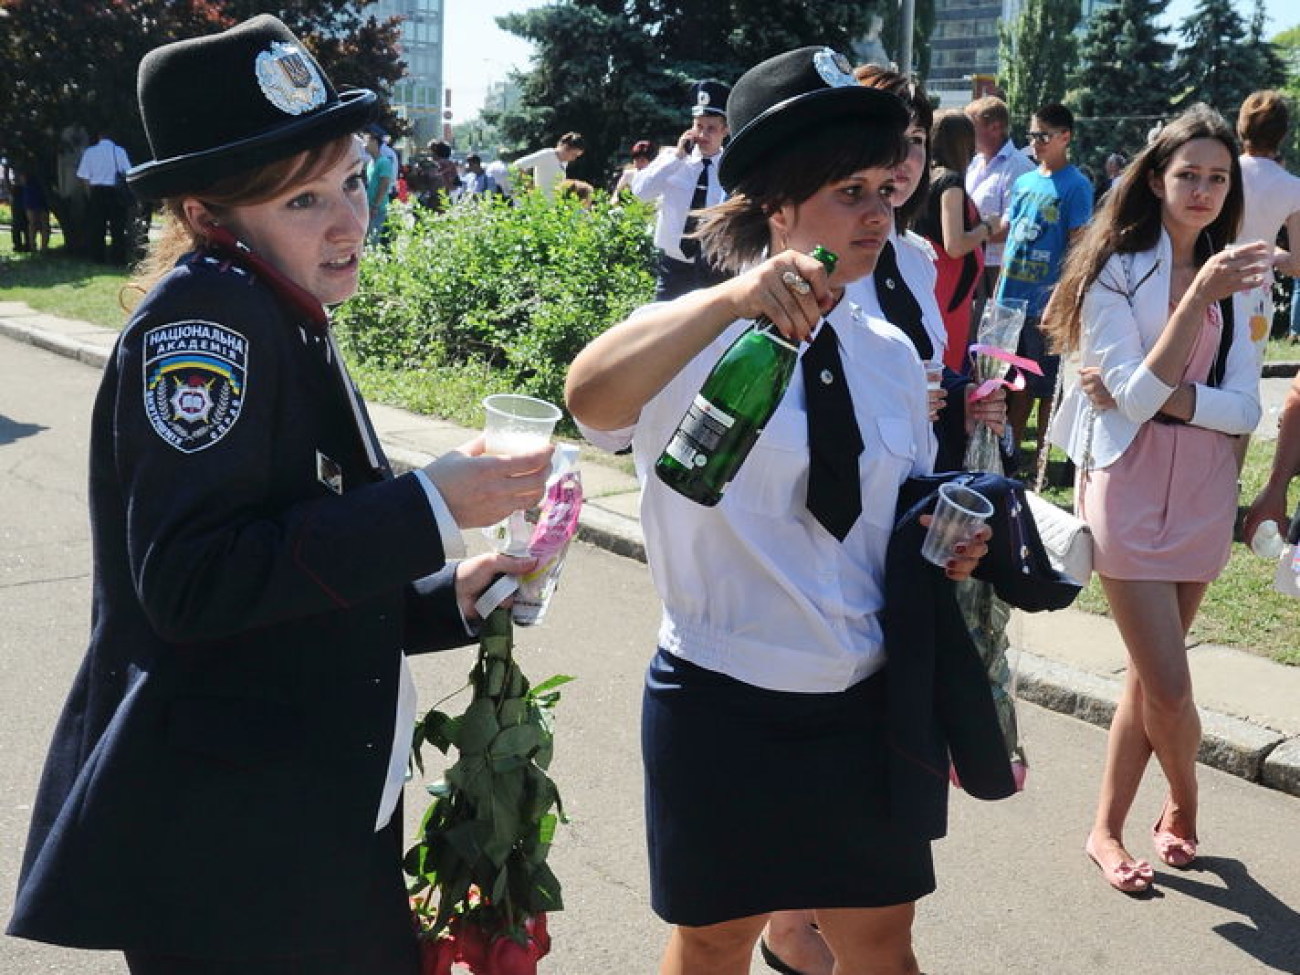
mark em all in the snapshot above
pixel 480 886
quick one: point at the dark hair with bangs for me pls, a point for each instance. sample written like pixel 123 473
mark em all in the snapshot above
pixel 913 95
pixel 735 233
pixel 246 188
pixel 1129 221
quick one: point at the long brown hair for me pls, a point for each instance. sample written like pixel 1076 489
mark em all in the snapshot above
pixel 1129 220
pixel 910 89
pixel 247 188
pixel 952 140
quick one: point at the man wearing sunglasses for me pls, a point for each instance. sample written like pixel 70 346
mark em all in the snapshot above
pixel 1049 207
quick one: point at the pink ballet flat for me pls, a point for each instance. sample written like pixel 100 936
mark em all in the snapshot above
pixel 1173 850
pixel 1127 876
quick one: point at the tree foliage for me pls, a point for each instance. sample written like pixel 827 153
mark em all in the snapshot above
pixel 72 64
pixel 1121 88
pixel 1287 46
pixel 620 70
pixel 1220 62
pixel 1038 51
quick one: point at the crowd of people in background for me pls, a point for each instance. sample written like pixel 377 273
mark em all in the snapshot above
pixel 1146 298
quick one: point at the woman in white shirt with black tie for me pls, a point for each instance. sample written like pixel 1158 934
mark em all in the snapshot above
pixel 771 650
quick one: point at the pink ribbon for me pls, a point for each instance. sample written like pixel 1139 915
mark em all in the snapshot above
pixel 1017 362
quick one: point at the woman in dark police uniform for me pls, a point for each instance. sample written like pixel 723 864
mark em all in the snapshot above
pixel 223 790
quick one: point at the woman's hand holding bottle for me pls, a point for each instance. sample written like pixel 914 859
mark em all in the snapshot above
pixel 791 289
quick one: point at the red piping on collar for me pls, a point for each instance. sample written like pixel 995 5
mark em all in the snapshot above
pixel 298 301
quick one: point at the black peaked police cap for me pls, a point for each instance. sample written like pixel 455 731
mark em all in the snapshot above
pixel 218 105
pixel 787 95
pixel 709 97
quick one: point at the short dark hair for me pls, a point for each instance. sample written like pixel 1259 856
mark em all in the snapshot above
pixel 1055 115
pixel 735 232
pixel 573 140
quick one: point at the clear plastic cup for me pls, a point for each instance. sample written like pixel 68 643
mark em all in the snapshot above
pixel 958 514
pixel 517 424
pixel 933 374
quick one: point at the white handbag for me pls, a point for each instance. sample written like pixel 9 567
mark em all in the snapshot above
pixel 1067 538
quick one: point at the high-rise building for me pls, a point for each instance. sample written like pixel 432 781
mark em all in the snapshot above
pixel 419 96
pixel 964 45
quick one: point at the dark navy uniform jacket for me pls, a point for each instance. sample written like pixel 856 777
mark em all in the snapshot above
pixel 215 776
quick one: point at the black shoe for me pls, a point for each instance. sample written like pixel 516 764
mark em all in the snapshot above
pixel 774 962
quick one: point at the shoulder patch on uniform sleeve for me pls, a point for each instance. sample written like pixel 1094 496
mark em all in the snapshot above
pixel 195 379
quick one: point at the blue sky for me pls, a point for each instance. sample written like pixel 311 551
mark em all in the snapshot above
pixel 477 52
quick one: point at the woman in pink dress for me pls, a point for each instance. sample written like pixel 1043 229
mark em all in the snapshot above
pixel 1154 301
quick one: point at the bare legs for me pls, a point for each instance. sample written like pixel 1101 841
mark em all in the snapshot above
pixel 791 937
pixel 871 941
pixel 1156 712
pixel 865 941
pixel 715 949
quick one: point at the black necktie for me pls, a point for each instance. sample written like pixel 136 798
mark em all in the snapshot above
pixel 690 246
pixel 834 440
pixel 899 305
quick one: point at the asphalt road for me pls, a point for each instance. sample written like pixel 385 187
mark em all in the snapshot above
pixel 1016 892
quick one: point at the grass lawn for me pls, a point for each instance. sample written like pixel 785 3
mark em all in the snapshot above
pixel 62 285
pixel 1240 610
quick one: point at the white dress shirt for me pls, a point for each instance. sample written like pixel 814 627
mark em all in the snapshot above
pixel 916 264
pixel 101 163
pixel 1118 333
pixel 755 587
pixel 672 181
pixel 988 184
pixel 453 547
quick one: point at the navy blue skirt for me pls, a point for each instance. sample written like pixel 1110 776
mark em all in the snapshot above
pixel 760 801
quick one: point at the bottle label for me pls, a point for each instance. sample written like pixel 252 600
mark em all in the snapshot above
pixel 699 433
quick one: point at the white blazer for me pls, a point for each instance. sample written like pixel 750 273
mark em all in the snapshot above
pixel 1118 331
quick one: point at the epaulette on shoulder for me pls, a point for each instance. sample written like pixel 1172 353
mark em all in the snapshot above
pixel 222 265
pixel 921 244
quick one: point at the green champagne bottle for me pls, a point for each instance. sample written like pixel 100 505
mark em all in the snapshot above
pixel 731 409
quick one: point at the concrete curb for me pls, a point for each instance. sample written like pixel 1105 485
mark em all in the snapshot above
pixel 1242 748
pixel 1229 744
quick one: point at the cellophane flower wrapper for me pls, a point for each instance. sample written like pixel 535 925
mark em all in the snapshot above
pixel 985 614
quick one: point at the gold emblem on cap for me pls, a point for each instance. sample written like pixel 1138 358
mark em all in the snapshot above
pixel 834 68
pixel 289 79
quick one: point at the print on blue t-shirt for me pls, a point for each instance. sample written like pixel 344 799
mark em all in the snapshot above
pixel 1044 210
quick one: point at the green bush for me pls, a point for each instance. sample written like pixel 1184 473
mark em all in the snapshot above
pixel 516 289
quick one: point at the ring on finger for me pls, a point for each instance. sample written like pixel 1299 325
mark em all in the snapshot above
pixel 795 283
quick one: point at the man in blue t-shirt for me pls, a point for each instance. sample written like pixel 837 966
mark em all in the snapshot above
pixel 1049 207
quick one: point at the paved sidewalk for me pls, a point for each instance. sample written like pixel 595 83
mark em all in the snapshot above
pixel 1069 661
